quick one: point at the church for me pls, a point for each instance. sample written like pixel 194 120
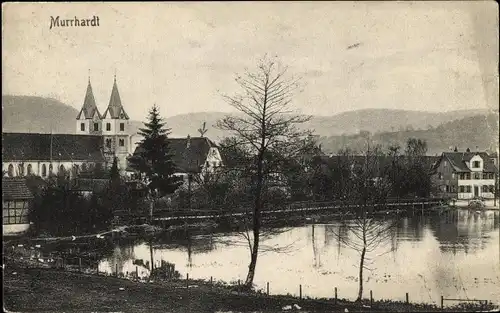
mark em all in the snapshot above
pixel 98 139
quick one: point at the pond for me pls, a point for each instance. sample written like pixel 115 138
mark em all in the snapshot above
pixel 455 255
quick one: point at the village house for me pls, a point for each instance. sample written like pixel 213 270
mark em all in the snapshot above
pixel 16 202
pixel 193 157
pixel 465 175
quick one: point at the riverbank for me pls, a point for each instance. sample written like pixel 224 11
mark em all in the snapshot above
pixel 49 290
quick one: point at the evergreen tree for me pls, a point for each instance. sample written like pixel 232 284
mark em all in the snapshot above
pixel 153 160
pixel 114 173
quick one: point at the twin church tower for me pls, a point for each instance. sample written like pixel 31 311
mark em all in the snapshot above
pixel 113 125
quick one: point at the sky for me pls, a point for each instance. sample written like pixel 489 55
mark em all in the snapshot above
pixel 181 56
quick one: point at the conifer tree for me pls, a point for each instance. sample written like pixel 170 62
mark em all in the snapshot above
pixel 153 159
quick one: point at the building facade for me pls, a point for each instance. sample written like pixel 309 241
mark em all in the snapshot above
pixel 16 203
pixel 113 126
pixel 465 175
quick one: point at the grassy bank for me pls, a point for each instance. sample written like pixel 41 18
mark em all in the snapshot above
pixel 49 290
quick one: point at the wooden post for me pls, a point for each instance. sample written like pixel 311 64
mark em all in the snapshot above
pixel 371 298
pixel 80 264
pixel 137 272
pixel 407 298
pixel 335 295
pixel 238 282
pixel 442 302
pixel 187 281
pixel 268 288
pixel 300 292
pixel 116 269
pixel 211 280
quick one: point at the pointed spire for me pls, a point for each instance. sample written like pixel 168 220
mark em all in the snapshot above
pixel 115 108
pixel 89 107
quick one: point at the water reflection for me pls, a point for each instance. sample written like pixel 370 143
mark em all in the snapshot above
pixel 455 254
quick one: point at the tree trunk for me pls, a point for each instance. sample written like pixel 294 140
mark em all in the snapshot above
pixel 256 223
pixel 361 265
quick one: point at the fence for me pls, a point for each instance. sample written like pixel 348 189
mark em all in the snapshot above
pixel 166 271
pixel 481 302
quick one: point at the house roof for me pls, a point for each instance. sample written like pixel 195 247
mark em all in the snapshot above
pixel 37 147
pixel 115 109
pixel 15 188
pixel 458 161
pixel 89 108
pixel 187 157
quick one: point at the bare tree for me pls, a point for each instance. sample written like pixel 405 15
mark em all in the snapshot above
pixel 266 129
pixel 367 187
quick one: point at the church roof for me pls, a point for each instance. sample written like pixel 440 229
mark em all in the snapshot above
pixel 187 158
pixel 89 108
pixel 115 109
pixel 37 147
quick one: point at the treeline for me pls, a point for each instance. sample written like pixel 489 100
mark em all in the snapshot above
pixel 402 172
pixel 469 132
pixel 61 208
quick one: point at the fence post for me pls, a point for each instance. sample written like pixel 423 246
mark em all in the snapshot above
pixel 268 288
pixel 335 295
pixel 407 298
pixel 187 281
pixel 116 269
pixel 371 298
pixel 300 292
pixel 211 280
pixel 442 302
pixel 137 272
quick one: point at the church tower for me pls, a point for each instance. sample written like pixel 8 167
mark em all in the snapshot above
pixel 88 121
pixel 115 130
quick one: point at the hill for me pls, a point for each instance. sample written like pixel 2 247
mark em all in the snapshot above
pixel 37 114
pixel 469 132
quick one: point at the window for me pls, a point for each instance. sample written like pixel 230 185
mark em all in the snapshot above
pixel 61 170
pixel 14 212
pixel 44 170
pixel 21 169
pixel 476 164
pixel 484 188
pixel 51 169
pixel 108 143
pixel 82 127
pixel 121 142
pixel 476 176
pixel 96 126
pixel 468 189
pixel 30 169
pixel 122 127
pixel 461 189
pixel 467 176
pixel 492 188
pixel 447 188
pixel 10 171
pixel 108 126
